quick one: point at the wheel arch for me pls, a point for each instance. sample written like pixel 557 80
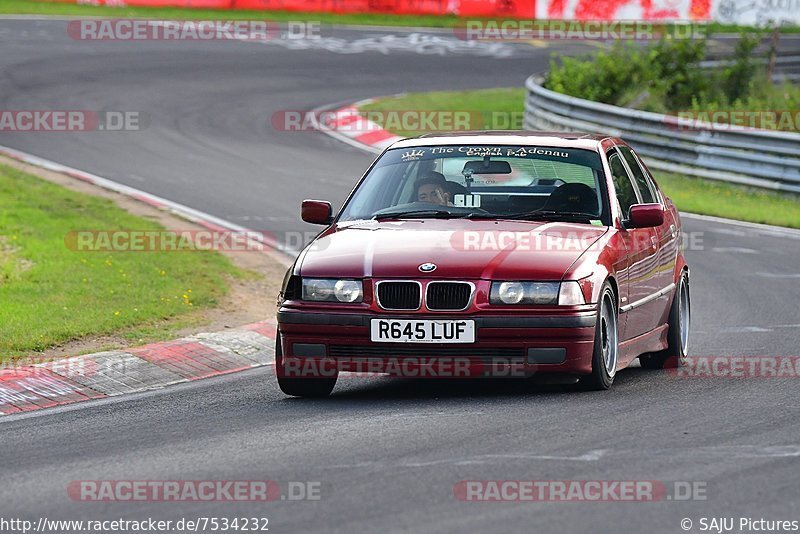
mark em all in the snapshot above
pixel 680 267
pixel 612 281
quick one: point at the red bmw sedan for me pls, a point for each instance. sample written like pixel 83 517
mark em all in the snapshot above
pixel 489 254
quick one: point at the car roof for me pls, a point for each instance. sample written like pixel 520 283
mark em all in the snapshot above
pixel 507 137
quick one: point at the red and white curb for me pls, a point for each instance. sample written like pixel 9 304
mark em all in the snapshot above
pixel 349 126
pixel 111 373
pixel 25 388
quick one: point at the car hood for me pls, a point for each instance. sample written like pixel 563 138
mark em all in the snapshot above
pixel 461 249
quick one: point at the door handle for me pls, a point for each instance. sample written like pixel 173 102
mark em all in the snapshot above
pixel 672 229
pixel 654 242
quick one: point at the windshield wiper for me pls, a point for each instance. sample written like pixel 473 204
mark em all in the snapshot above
pixel 414 214
pixel 479 215
pixel 543 215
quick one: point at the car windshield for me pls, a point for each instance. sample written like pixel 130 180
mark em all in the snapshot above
pixel 480 181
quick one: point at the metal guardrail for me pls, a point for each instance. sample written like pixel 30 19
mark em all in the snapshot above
pixel 787 67
pixel 759 158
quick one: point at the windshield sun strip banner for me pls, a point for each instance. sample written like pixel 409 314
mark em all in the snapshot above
pixel 575 156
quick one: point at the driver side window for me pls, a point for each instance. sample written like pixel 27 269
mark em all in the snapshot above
pixel 626 193
pixel 648 193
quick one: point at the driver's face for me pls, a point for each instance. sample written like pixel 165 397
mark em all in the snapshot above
pixel 432 193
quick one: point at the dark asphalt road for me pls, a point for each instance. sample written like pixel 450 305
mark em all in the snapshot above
pixel 386 452
pixel 210 143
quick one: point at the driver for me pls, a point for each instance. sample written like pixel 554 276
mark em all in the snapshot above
pixel 432 188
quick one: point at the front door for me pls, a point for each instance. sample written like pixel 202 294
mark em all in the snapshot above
pixel 639 311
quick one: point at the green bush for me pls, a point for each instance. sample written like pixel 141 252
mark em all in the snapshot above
pixel 737 78
pixel 665 77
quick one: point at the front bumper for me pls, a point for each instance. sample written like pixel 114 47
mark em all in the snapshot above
pixel 316 343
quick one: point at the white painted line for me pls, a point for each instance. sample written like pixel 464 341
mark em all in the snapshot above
pixel 778 275
pixel 735 250
pixel 744 330
pixel 791 232
pixel 590 456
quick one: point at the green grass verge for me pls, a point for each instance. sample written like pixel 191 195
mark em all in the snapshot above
pixel 709 197
pixel 39 7
pixel 51 294
pixel 695 195
pixel 485 109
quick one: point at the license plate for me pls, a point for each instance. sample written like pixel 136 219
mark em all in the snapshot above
pixel 422 331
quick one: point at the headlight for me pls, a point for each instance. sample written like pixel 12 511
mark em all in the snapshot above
pixel 510 292
pixel 327 290
pixel 524 293
pixel 570 294
pixel 347 291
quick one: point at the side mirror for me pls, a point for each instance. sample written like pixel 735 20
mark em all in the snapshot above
pixel 645 216
pixel 317 212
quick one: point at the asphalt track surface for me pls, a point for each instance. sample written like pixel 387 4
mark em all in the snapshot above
pixel 386 452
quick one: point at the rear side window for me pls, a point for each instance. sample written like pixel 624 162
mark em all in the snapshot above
pixel 648 194
pixel 626 194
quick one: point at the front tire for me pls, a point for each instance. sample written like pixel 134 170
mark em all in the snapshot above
pixel 678 334
pixel 606 343
pixel 314 387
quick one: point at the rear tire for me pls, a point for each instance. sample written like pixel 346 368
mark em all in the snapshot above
pixel 606 343
pixel 678 335
pixel 301 386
